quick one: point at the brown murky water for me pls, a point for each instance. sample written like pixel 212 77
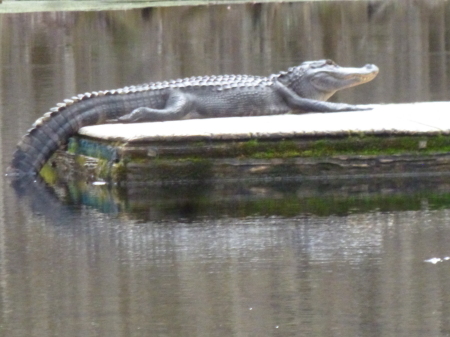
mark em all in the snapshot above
pixel 288 258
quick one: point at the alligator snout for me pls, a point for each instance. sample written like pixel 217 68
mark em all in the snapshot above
pixel 372 68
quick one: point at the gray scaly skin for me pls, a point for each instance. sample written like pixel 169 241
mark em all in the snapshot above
pixel 300 89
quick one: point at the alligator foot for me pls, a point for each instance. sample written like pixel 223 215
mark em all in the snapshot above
pixel 349 107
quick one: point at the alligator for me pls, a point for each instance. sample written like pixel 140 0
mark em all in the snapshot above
pixel 300 89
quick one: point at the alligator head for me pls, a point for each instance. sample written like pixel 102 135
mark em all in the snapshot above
pixel 319 80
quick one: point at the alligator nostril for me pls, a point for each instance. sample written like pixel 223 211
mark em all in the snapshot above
pixel 371 67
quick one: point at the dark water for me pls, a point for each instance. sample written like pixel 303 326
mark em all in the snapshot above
pixel 278 258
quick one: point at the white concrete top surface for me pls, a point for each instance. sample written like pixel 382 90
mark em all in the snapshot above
pixel 413 118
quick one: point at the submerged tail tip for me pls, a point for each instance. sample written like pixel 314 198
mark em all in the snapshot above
pixel 20 166
pixel 15 173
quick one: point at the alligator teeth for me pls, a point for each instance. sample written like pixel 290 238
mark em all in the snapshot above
pixel 87 94
pixel 68 101
pixel 55 109
pixel 61 105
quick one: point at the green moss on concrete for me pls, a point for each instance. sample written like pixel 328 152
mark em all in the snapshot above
pixel 80 160
pixel 72 146
pixel 358 144
pixel 195 160
pixel 103 169
pixel 49 174
pixel 159 170
pixel 353 145
pixel 195 169
pixel 119 171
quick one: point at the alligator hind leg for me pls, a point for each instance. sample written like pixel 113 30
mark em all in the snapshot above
pixel 177 106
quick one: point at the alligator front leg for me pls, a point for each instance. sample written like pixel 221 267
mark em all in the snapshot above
pixel 297 103
pixel 177 106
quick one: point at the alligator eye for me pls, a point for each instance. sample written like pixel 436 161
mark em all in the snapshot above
pixel 330 62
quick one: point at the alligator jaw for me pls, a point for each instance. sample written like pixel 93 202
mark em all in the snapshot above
pixel 356 76
pixel 328 80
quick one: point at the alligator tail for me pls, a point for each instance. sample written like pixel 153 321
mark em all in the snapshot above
pixel 55 127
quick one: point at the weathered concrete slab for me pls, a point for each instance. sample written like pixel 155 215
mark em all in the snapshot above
pixel 416 118
pixel 390 140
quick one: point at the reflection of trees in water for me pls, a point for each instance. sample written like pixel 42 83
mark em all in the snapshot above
pixel 65 258
pixel 119 48
pixel 191 201
pixel 198 210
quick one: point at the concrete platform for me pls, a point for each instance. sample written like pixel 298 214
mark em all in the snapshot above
pixel 416 118
pixel 393 139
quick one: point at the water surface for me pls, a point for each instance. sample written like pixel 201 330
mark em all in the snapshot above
pixel 278 258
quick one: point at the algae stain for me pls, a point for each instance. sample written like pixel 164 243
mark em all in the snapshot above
pixel 359 144
pixel 200 162
pixel 119 171
pixel 49 174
